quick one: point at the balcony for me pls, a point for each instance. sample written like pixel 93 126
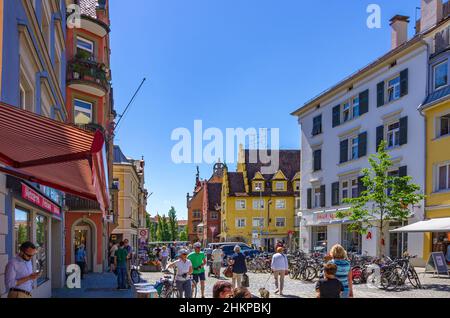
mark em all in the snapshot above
pixel 88 76
pixel 75 203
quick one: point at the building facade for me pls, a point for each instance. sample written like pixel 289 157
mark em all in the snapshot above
pixel 344 125
pixel 131 198
pixel 259 207
pixel 32 77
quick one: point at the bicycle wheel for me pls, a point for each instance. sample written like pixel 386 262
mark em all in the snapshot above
pixel 308 273
pixel 414 278
pixel 389 280
pixel 135 278
pixel 292 272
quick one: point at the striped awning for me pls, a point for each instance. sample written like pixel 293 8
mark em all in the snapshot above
pixel 54 154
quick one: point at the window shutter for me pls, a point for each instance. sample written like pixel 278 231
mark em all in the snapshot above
pixel 362 145
pixel 380 94
pixel 322 196
pixel 335 194
pixel 317 160
pixel 361 186
pixel 404 130
pixel 404 82
pixel 309 202
pixel 380 136
pixel 364 102
pixel 344 151
pixel 403 171
pixel 317 125
pixel 336 115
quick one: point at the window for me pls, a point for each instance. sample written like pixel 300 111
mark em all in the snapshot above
pixel 297 186
pixel 316 199
pixel 258 186
pixel 42 247
pixel 351 240
pixel 355 148
pixel 345 190
pixel 394 91
pixel 393 135
pixel 258 222
pixel 46 26
pixel 26 93
pixel 317 125
pixel 444 125
pixel 214 215
pixel 258 204
pixel 240 204
pixel 440 72
pixel 22 97
pixel 22 227
pixel 83 112
pixel 346 112
pixel 280 222
pixel 280 204
pixel 444 177
pixel 85 48
pixel 355 193
pixel 197 214
pixel 279 186
pixel 240 223
pixel 319 238
pixel 350 189
pixel 350 109
pixel 355 103
pixel 317 160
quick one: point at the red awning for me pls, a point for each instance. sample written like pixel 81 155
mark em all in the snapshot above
pixel 54 154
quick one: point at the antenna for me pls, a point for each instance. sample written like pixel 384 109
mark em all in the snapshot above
pixel 128 106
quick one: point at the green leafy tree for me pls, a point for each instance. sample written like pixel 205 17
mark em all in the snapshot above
pixel 163 232
pixel 152 227
pixel 384 198
pixel 173 224
pixel 183 236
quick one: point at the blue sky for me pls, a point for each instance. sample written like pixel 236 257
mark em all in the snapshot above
pixel 230 63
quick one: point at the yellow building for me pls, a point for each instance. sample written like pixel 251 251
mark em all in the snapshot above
pixel 437 114
pixel 258 204
pixel 131 197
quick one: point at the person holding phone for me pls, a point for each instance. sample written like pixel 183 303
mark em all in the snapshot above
pixel 19 276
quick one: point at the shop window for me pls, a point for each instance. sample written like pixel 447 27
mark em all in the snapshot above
pixel 319 238
pixel 441 243
pixel 351 240
pixel 22 227
pixel 398 242
pixel 280 222
pixel 83 112
pixel 42 247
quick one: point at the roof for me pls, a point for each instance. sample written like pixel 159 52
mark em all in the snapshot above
pixel 437 96
pixel 119 157
pixel 236 182
pixel 214 194
pixel 182 222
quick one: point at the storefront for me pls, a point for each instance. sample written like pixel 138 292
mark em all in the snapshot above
pixel 39 219
pixel 441 243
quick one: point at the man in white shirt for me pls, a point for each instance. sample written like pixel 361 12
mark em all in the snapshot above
pixel 217 259
pixel 183 272
pixel 280 267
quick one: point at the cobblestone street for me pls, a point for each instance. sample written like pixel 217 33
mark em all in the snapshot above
pixel 432 287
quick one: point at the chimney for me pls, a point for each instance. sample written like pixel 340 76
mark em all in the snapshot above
pixel 399 25
pixel 431 14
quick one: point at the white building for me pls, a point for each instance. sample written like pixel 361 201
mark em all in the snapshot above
pixel 341 127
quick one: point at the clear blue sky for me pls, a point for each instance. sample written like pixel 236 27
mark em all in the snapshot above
pixel 230 63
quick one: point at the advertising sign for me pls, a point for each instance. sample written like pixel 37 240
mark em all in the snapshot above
pixel 38 199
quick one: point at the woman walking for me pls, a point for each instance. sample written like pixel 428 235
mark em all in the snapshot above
pixel 343 273
pixel 239 267
pixel 164 257
pixel 280 268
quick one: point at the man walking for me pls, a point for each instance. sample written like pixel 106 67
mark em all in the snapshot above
pixel 198 260
pixel 129 250
pixel 19 276
pixel 120 263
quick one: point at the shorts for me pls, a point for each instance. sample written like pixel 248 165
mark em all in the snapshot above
pixel 197 277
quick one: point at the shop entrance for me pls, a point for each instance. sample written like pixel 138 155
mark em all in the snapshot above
pixel 398 242
pixel 319 239
pixel 83 235
pixel 269 245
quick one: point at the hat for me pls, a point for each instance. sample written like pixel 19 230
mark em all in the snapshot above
pixel 198 244
pixel 184 252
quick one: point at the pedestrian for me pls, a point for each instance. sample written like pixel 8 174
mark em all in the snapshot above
pixel 81 259
pixel 239 266
pixel 164 257
pixel 19 276
pixel 183 271
pixel 112 254
pixel 217 260
pixel 222 289
pixel 343 273
pixel 120 263
pixel 198 260
pixel 330 286
pixel 280 267
pixel 173 251
pixel 242 292
pixel 157 252
pixel 129 250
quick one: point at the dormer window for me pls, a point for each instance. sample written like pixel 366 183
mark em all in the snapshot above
pixel 258 186
pixel 279 186
pixel 440 75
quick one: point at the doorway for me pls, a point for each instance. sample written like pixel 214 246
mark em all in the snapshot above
pixel 398 242
pixel 83 235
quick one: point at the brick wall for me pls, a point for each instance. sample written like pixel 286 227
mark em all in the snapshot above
pixel 3 233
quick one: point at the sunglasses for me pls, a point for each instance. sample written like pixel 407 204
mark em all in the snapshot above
pixel 27 255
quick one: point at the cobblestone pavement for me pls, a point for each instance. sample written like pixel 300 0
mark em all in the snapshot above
pixel 432 287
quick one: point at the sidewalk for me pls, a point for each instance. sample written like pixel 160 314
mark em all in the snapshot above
pixel 95 285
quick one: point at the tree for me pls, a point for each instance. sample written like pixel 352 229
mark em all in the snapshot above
pixel 390 196
pixel 173 224
pixel 183 236
pixel 152 227
pixel 162 232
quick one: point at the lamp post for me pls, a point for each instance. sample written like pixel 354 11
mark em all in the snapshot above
pixel 261 224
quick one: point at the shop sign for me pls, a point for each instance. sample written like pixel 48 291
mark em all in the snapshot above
pixel 34 197
pixel 328 217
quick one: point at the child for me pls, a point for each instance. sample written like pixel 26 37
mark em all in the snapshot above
pixel 330 286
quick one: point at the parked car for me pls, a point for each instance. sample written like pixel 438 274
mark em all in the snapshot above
pixel 228 250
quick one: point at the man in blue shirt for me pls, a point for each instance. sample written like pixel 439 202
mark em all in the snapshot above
pixel 81 259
